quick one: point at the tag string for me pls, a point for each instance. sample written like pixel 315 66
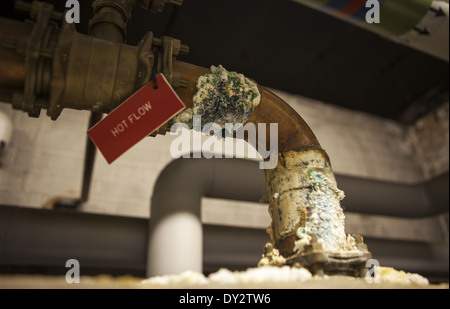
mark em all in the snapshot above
pixel 155 68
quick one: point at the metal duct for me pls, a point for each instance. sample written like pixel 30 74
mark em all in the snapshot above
pixel 419 24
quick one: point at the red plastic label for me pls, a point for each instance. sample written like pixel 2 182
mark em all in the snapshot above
pixel 141 114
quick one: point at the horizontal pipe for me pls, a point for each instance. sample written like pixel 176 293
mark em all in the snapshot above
pixel 393 199
pixel 50 238
pixel 12 64
pixel 47 239
pixel 293 132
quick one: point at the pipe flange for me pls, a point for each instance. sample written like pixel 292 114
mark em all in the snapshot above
pixel 34 83
pixel 167 58
pixel 144 64
pixel 60 63
pixel 108 17
pixel 124 7
pixel 33 9
pixel 321 262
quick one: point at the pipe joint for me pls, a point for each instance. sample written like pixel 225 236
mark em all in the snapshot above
pixel 38 50
pixel 109 18
pixel 121 6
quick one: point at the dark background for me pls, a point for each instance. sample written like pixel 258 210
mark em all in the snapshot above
pixel 287 46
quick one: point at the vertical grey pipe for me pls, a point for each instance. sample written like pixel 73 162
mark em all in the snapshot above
pixel 175 239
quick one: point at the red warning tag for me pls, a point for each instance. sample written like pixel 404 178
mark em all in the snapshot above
pixel 141 114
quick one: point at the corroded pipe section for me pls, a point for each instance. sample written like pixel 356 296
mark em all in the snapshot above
pixel 304 201
pixel 293 132
pixel 12 64
pixel 110 20
pixel 78 71
pixel 101 74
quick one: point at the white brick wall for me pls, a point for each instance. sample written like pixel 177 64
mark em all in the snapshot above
pixel 45 157
pixel 125 186
pixel 360 144
pixel 430 137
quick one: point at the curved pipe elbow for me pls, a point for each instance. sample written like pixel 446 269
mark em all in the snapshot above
pixel 293 131
pixel 299 155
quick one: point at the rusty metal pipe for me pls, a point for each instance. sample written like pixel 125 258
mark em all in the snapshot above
pixel 108 31
pixel 299 152
pixel 308 224
pixel 12 64
pixel 110 19
pixel 294 132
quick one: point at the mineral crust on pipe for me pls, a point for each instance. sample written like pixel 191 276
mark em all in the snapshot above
pixel 303 201
pixel 222 97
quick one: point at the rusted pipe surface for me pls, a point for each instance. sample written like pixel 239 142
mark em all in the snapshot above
pixel 293 132
pixel 304 200
pixel 106 30
pixel 12 64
